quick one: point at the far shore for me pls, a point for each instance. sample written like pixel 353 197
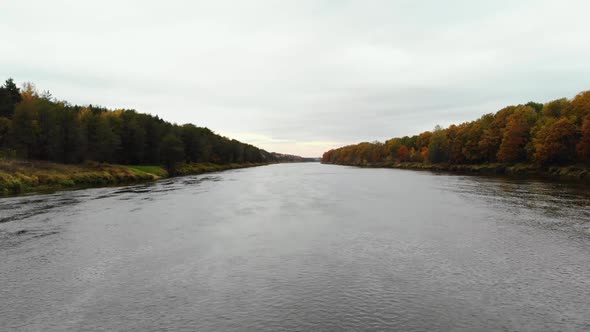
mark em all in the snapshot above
pixel 566 173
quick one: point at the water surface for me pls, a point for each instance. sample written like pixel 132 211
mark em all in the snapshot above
pixel 297 247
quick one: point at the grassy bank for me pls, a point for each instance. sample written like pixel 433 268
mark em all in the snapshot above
pixel 199 168
pixel 572 172
pixel 23 176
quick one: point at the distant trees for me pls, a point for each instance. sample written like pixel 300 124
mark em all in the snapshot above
pixel 36 126
pixel 555 133
pixel 583 147
pixel 438 147
pixel 403 153
pixel 172 151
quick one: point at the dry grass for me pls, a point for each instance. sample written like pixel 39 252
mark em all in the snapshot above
pixel 18 176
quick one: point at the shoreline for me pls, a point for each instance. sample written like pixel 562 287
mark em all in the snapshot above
pixel 560 173
pixel 19 177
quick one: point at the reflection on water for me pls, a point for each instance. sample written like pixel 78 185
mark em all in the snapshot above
pixel 300 247
pixel 552 205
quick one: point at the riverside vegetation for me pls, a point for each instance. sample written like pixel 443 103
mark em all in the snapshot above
pixel 550 139
pixel 49 144
pixel 22 176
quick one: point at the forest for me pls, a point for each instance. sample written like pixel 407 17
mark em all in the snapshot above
pixel 36 126
pixel 554 133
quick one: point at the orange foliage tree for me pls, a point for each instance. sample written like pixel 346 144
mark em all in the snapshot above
pixel 516 135
pixel 555 143
pixel 403 153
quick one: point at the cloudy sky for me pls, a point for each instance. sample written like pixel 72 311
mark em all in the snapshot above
pixel 300 76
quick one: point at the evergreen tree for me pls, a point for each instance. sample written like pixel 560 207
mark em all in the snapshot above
pixel 9 97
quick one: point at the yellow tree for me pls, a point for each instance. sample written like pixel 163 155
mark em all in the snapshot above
pixel 580 107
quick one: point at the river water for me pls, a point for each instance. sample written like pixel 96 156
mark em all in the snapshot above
pixel 300 247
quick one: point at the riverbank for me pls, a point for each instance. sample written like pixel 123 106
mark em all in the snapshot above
pixel 572 172
pixel 24 176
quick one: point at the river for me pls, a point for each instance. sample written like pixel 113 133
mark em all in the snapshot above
pixel 300 247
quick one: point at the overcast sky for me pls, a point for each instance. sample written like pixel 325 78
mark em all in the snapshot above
pixel 300 76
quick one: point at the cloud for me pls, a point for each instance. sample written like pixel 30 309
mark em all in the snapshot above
pixel 301 76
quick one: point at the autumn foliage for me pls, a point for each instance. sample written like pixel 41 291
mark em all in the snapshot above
pixel 555 133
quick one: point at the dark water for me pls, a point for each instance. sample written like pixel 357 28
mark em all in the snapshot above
pixel 302 247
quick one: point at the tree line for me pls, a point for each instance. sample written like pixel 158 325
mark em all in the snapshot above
pixel 555 133
pixel 37 126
